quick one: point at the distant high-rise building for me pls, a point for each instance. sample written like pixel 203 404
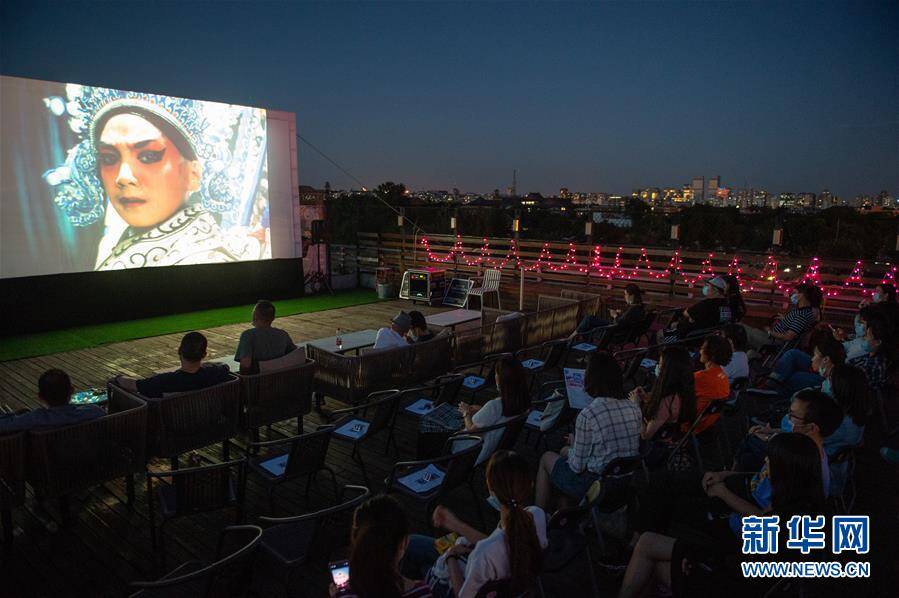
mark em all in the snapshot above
pixel 698 186
pixel 711 192
pixel 563 192
pixel 885 200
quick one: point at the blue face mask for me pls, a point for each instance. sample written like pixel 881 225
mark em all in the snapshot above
pixel 875 297
pixel 825 387
pixel 705 290
pixel 493 502
pixel 794 298
pixel 859 330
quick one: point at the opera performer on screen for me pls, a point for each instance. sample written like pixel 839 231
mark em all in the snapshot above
pixel 186 179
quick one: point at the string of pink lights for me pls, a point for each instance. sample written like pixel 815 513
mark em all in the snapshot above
pixel 769 276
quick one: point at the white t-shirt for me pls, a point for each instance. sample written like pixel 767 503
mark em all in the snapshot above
pixel 738 366
pixel 489 415
pixel 388 338
pixel 490 559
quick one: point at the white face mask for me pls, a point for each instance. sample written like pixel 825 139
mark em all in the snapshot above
pixel 876 297
pixel 794 298
pixel 658 369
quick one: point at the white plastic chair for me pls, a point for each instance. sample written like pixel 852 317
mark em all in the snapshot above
pixel 490 284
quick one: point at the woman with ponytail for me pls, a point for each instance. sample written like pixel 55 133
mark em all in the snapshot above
pixel 378 541
pixel 514 551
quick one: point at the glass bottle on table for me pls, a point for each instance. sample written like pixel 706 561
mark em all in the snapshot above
pixel 338 340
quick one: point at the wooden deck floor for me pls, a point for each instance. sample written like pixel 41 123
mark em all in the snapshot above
pixel 108 544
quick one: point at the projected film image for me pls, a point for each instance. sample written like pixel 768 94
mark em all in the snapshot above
pixel 103 179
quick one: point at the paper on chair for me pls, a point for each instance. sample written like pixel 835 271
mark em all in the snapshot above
pixel 421 407
pixel 275 465
pixel 473 382
pixel 585 347
pixel 423 480
pixel 355 429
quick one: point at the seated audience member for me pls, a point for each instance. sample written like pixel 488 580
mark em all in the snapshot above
pixel 513 400
pixel 632 314
pixel 710 383
pixel 670 403
pixel 734 298
pixel 878 353
pixel 395 335
pixel 793 482
pixel 445 420
pixel 263 341
pixel 513 551
pixel 849 390
pixel 192 375
pixel 671 389
pixel 378 542
pixel 419 331
pixel 54 389
pixel 855 343
pixel 795 369
pixel 608 428
pixel 715 309
pixel 802 317
pixel 679 496
pixel 738 366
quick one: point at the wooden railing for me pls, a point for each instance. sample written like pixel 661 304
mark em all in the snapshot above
pixel 668 276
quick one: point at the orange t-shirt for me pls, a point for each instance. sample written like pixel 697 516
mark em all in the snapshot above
pixel 711 385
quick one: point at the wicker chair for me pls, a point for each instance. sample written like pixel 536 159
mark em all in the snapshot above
pixel 351 378
pixel 12 479
pixel 310 538
pixel 509 432
pixel 271 397
pixel 196 579
pixel 195 490
pixel 62 461
pixel 430 359
pixel 305 456
pixel 191 420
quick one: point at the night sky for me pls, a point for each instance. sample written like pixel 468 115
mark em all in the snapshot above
pixel 594 97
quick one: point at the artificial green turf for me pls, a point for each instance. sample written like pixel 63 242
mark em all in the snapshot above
pixel 69 339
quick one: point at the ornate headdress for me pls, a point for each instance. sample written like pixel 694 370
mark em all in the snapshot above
pixel 229 141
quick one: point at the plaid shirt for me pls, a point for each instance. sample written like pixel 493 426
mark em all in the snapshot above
pixel 605 430
pixel 874 367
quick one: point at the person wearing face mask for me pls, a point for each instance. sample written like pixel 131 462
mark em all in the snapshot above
pixel 878 357
pixel 804 313
pixel 713 310
pixel 796 369
pixel 513 551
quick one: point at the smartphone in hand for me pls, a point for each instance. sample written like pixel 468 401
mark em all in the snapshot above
pixel 340 573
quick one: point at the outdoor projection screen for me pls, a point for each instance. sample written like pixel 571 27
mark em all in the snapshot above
pixel 96 179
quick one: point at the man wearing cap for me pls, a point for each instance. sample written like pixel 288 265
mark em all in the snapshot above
pixel 710 312
pixel 395 336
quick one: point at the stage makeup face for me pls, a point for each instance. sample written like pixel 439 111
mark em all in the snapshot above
pixel 144 174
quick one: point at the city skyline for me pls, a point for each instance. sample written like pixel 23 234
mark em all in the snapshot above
pixel 606 97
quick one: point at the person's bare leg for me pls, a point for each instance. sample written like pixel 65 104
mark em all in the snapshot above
pixel 652 554
pixel 543 489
